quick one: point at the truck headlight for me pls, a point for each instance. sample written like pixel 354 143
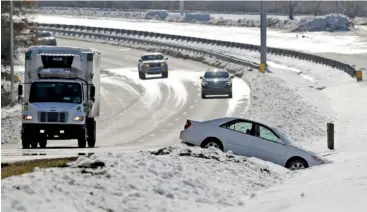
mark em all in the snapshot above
pixel 147 65
pixel 78 118
pixel 162 64
pixel 27 117
pixel 229 83
pixel 204 83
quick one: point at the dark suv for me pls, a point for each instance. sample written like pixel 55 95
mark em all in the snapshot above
pixel 216 82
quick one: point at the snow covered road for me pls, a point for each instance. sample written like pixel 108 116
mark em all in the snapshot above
pixel 141 114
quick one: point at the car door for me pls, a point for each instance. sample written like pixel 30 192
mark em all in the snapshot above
pixel 237 136
pixel 268 146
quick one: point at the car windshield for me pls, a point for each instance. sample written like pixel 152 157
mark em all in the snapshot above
pixel 44 34
pixel 152 57
pixel 55 92
pixel 282 134
pixel 219 74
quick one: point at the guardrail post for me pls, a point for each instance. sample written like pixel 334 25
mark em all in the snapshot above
pixel 330 135
pixel 358 74
pixel 263 47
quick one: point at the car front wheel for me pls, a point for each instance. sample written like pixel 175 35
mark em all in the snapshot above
pixel 297 164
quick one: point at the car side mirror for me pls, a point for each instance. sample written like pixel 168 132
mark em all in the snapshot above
pixel 201 77
pixel 232 76
pixel 166 58
pixel 92 92
pixel 20 90
pixel 140 60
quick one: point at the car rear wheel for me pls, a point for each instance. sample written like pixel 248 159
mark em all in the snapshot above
pixel 203 95
pixel 212 142
pixel 297 164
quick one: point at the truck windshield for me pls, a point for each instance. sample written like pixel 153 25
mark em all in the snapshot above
pixel 55 92
pixel 152 57
pixel 43 34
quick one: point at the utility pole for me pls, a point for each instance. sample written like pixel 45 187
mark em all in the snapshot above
pixel 263 48
pixel 11 54
pixel 182 6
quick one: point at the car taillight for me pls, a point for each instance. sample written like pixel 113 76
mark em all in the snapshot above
pixel 188 124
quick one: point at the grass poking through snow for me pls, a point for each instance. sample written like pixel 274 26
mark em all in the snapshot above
pixel 18 168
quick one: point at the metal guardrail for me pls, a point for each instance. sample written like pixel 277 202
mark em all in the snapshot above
pixel 133 35
pixel 110 36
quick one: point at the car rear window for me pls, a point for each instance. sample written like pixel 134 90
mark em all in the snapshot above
pixel 220 74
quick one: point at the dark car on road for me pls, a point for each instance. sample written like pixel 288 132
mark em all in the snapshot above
pixel 216 82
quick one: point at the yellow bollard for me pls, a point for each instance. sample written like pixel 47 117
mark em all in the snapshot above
pixel 358 75
pixel 262 67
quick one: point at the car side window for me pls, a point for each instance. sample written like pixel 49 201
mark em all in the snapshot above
pixel 244 127
pixel 267 134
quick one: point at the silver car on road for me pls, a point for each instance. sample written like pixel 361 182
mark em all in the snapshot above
pixel 153 63
pixel 216 82
pixel 45 38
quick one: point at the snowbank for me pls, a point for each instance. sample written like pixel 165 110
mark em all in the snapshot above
pixel 170 179
pixel 331 23
pixel 319 189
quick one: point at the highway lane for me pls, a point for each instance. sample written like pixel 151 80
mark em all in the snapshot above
pixel 142 114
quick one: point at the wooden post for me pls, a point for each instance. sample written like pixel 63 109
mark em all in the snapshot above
pixel 330 135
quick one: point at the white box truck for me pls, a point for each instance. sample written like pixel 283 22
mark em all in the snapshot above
pixel 61 98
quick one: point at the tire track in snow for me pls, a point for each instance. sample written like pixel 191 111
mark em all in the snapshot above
pixel 241 97
pixel 156 105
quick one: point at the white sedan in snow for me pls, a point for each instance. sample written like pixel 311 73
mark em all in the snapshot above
pixel 248 138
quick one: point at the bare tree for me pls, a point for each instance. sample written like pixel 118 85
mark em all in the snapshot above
pixel 292 5
pixel 352 8
pixel 314 8
pixel 289 7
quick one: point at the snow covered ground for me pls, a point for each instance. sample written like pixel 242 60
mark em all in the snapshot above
pixel 177 178
pixel 313 42
pixel 321 23
pixel 297 96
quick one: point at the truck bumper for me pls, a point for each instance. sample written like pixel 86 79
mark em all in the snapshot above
pixel 154 70
pixel 53 131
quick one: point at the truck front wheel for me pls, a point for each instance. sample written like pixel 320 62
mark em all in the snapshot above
pixel 91 128
pixel 43 143
pixel 25 142
pixel 82 139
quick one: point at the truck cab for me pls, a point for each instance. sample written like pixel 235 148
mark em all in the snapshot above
pixel 61 95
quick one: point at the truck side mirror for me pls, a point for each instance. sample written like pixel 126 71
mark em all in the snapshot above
pixel 201 78
pixel 166 58
pixel 140 60
pixel 20 90
pixel 92 92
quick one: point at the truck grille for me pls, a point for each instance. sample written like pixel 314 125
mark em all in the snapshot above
pixel 155 65
pixel 52 116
